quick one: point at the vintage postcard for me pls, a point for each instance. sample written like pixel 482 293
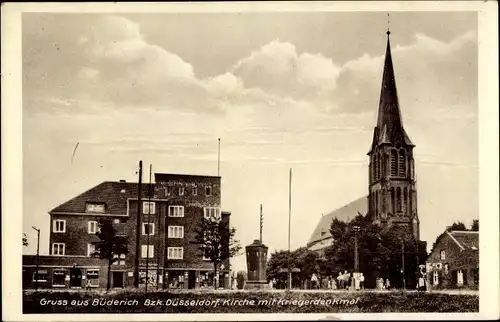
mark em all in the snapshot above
pixel 248 161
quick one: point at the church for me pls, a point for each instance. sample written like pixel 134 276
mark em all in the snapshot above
pixel 392 193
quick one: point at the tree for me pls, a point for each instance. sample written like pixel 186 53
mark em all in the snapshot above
pixel 25 240
pixel 475 225
pixel 379 251
pixel 216 241
pixel 307 261
pixel 110 246
pixel 457 226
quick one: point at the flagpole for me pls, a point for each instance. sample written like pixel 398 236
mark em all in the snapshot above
pixel 289 284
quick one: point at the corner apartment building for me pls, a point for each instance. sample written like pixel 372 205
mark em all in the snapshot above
pixel 170 213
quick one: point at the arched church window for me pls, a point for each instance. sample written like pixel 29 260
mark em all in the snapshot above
pixel 376 203
pixel 394 163
pixel 375 167
pixel 398 199
pixel 405 199
pixel 380 166
pixel 393 199
pixel 402 163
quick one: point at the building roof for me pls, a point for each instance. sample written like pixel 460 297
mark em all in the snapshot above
pixel 345 213
pixel 169 176
pixel 113 194
pixel 465 239
pixel 389 121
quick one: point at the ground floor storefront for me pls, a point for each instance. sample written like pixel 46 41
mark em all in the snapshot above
pixel 81 272
pixel 185 278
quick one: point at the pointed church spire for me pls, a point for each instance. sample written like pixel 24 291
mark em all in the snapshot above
pixel 389 122
pixel 389 115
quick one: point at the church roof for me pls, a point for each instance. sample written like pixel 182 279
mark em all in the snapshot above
pixel 389 126
pixel 345 213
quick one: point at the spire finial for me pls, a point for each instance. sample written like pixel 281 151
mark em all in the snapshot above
pixel 388 24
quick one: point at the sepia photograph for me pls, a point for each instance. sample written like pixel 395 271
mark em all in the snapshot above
pixel 224 159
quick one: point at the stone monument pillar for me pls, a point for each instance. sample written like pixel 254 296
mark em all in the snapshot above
pixel 256 265
pixel 257 261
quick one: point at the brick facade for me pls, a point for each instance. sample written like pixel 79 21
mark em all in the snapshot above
pixel 119 203
pixel 454 252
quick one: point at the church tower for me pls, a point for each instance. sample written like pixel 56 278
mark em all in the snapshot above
pixel 392 194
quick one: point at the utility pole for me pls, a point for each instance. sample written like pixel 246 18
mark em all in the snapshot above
pixel 148 230
pixel 157 243
pixel 37 254
pixel 138 228
pixel 289 284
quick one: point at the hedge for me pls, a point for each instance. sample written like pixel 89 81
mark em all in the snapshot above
pixel 131 301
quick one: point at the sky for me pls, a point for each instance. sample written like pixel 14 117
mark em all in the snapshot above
pixel 281 90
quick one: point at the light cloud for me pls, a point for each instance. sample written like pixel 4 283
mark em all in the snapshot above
pixel 106 83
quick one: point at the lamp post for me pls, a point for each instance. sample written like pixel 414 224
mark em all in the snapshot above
pixel 356 259
pixel 37 254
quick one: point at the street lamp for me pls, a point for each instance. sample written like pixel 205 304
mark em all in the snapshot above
pixel 356 230
pixel 37 254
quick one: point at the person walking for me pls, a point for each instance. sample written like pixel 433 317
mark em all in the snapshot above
pixel 362 281
pixel 387 284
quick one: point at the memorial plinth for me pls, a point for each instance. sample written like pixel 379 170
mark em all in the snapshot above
pixel 256 265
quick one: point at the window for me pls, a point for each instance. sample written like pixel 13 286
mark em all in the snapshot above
pixel 90 249
pixel 175 231
pixel 176 211
pixel 398 199
pixel 460 277
pixel 59 226
pixel 379 174
pixel 402 163
pixel 95 207
pixel 41 276
pixel 208 191
pixel 58 249
pixel 195 191
pixel 93 277
pixel 148 207
pixel 375 162
pixel 144 253
pixel 405 199
pixel 435 278
pixel 394 163
pixel 93 227
pixel 175 253
pixel 58 277
pixel 148 228
pixel 205 258
pixel 168 191
pixel 393 200
pixel 443 255
pixel 116 221
pixel 181 191
pixel 120 261
pixel 211 212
